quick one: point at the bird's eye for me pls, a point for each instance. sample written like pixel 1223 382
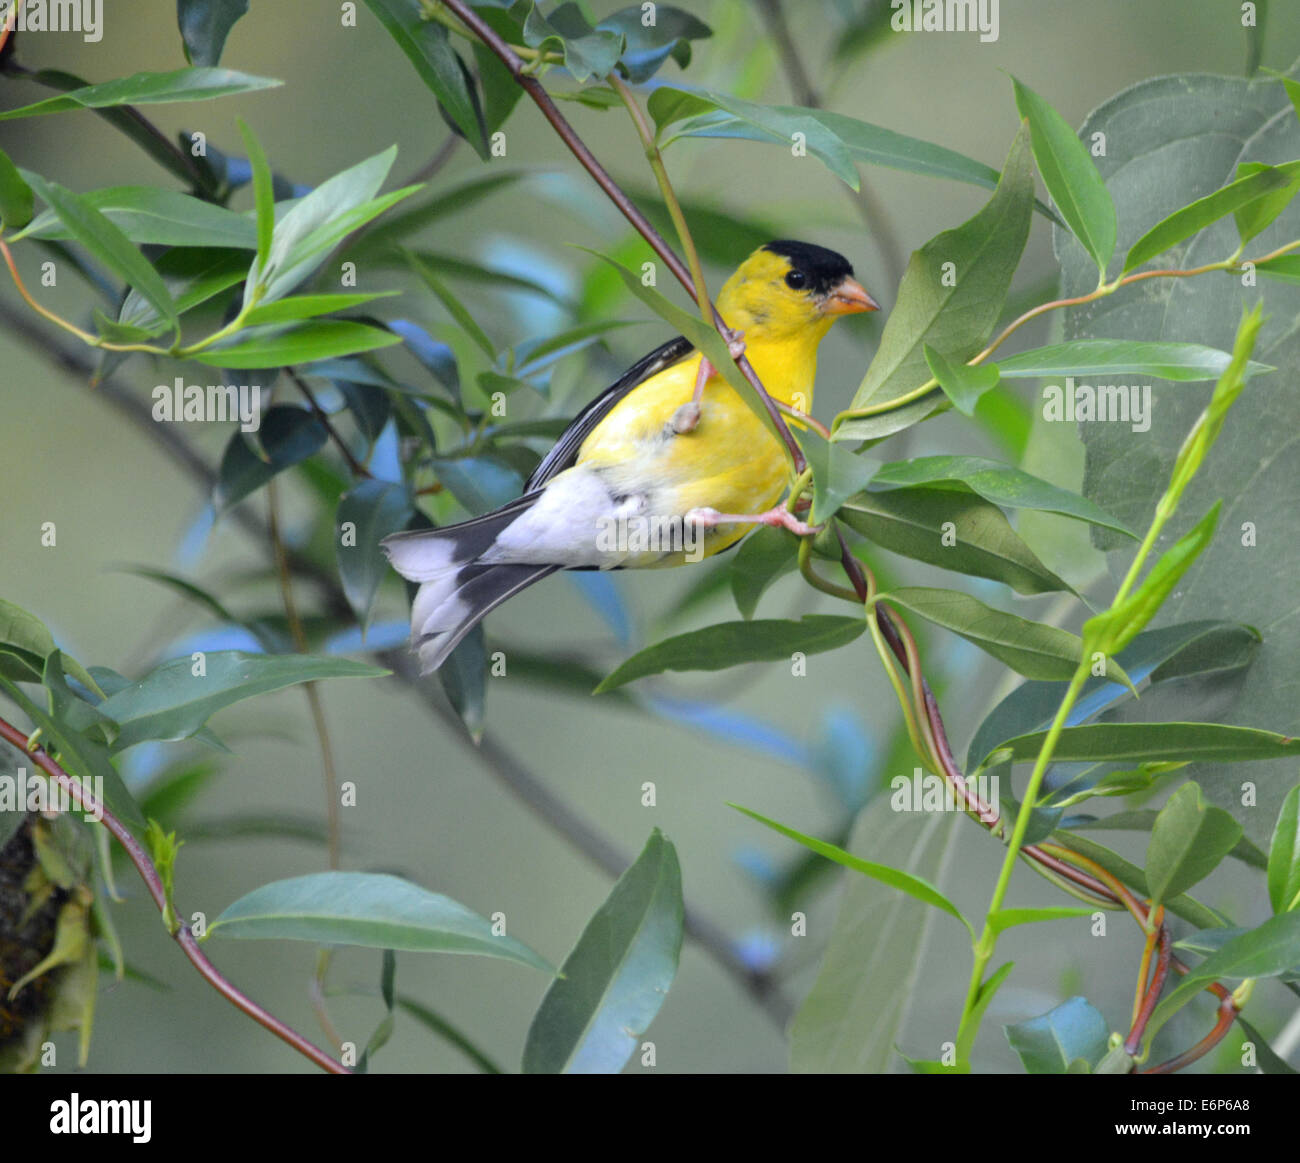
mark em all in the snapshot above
pixel 795 279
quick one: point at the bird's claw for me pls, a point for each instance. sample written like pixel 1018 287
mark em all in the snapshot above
pixel 735 342
pixel 685 418
pixel 778 518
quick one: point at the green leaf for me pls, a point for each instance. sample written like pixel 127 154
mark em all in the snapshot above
pixel 833 137
pixel 1188 362
pixel 1285 268
pixel 1187 843
pixel 1004 919
pixel 1117 627
pixel 1171 141
pixel 1157 743
pixel 1052 1043
pixel 837 475
pixel 81 756
pixel 148 89
pixel 914 522
pixel 464 678
pixel 1173 651
pixel 454 306
pixel 368 512
pixel 308 306
pixel 280 346
pixel 1270 1062
pixel 950 298
pixel 731 643
pixel 765 555
pixel 1284 855
pixel 445 1030
pixel 288 435
pixel 263 193
pixel 611 986
pixel 369 909
pixel 914 886
pixel 145 214
pixel 961 382
pixel 192 278
pixel 1183 906
pixel 1256 217
pixel 448 200
pixel 427 46
pixel 317 223
pixel 1070 177
pixel 988 990
pixel 671 103
pixel 876 948
pixel 587 52
pixel 384 1031
pixel 1012 488
pixel 1030 648
pixel 107 244
pixel 172 701
pixel 1194 218
pixel 1270 950
pixel 16 199
pixel 205 24
pixel 702 335
pixel 26 643
pixel 647 47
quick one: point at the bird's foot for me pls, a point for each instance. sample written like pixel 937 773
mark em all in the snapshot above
pixel 778 518
pixel 735 342
pixel 685 418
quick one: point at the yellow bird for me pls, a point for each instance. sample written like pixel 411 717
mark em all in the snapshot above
pixel 667 465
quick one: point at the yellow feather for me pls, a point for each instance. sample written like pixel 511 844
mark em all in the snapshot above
pixel 730 461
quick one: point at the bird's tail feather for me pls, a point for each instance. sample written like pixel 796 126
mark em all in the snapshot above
pixel 424 554
pixel 446 609
pixel 457 590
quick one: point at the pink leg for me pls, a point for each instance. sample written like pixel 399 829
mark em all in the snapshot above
pixel 688 415
pixel 780 518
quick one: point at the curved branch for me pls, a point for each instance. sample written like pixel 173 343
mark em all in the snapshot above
pixel 153 882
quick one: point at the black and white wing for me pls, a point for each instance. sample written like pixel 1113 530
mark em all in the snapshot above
pixel 565 452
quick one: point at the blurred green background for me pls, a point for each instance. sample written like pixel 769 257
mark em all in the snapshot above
pixel 428 806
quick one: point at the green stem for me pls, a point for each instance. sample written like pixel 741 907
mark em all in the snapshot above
pixel 1234 263
pixel 984 948
pixel 656 160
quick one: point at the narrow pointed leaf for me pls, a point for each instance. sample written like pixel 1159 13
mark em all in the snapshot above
pixel 1003 485
pixel 1030 648
pixel 914 886
pixel 148 89
pixel 1070 177
pixel 369 909
pixel 731 643
pixel 613 983
pixel 172 702
pixel 1284 856
pixel 953 531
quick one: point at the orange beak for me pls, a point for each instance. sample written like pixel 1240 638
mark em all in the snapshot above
pixel 849 298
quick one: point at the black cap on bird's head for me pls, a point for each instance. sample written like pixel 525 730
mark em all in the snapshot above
pixel 821 268
pixel 824 273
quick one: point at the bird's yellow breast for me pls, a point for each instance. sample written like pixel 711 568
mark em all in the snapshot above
pixel 730 461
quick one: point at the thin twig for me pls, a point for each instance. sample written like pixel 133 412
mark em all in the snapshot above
pixel 358 469
pixel 153 882
pixel 868 204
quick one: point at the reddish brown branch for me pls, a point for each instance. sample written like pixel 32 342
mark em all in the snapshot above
pixel 153 882
pixel 533 87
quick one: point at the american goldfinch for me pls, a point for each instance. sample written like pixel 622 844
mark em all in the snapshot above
pixel 667 465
